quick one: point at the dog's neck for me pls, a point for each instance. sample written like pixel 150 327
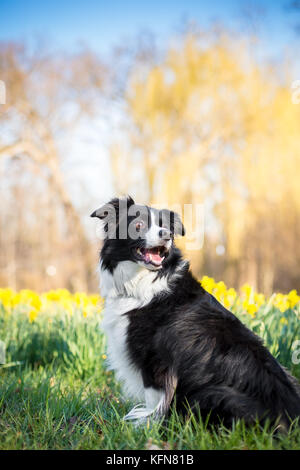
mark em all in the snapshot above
pixel 132 280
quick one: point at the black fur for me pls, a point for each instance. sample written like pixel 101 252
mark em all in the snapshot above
pixel 186 337
pixel 220 365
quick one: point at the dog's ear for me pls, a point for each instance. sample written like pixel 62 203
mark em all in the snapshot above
pixel 178 226
pixel 107 209
pixel 109 214
pixel 173 220
pixel 112 206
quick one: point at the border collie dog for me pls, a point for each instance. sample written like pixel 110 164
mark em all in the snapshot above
pixel 171 342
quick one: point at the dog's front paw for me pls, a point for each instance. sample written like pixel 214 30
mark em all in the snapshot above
pixel 140 415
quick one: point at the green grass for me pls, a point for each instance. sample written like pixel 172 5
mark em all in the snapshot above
pixel 60 396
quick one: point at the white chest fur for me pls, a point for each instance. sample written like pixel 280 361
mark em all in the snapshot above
pixel 115 327
pixel 131 286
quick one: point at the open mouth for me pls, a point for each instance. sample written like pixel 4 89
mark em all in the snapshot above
pixel 154 256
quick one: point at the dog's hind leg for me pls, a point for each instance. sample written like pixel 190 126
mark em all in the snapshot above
pixel 223 403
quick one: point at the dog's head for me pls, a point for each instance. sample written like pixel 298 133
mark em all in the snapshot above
pixel 138 233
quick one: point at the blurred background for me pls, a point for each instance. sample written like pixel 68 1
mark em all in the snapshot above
pixel 186 102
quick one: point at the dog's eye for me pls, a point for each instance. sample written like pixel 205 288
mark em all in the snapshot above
pixel 139 225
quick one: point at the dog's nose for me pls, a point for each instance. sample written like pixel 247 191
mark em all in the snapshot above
pixel 165 234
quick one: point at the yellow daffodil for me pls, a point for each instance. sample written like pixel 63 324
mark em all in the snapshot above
pixel 293 298
pixel 61 300
pixel 32 315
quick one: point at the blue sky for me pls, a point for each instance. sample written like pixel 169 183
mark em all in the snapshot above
pixel 101 24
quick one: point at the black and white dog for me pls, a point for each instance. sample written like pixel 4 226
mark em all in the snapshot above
pixel 171 341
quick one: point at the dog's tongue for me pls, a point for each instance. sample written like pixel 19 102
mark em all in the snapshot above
pixel 153 256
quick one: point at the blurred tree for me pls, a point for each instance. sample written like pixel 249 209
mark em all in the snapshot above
pixel 210 125
pixel 48 94
pixel 203 122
